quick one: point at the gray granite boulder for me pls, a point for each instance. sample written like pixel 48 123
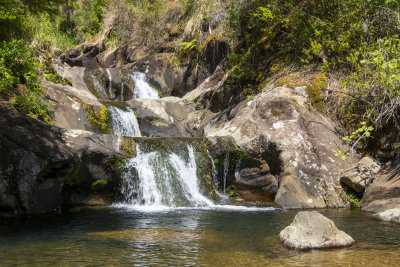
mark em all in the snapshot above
pixel 311 229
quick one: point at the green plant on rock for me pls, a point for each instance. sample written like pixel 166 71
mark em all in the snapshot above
pixel 363 132
pixel 354 201
pixel 231 191
pixel 99 185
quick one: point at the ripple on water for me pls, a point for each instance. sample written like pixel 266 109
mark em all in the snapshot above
pixel 189 237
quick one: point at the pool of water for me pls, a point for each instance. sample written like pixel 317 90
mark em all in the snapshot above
pixel 187 237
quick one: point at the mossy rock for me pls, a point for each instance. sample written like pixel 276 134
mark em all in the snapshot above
pixel 128 147
pixel 98 118
pixel 313 88
pixel 99 185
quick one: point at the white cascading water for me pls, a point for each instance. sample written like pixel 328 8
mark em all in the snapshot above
pixel 142 88
pixel 124 123
pixel 155 180
pixel 100 91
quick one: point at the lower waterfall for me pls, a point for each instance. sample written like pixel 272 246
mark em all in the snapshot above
pixel 158 179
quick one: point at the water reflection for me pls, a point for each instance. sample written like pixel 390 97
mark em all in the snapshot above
pixel 187 237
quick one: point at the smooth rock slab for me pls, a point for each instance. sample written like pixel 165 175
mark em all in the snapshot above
pixel 311 229
pixel 392 215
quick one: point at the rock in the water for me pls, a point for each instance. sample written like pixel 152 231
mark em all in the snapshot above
pixel 392 215
pixel 360 174
pixel 311 229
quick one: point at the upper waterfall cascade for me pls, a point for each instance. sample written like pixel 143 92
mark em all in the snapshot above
pixel 142 88
pixel 124 123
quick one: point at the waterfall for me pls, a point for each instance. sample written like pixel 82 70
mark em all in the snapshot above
pixel 142 88
pixel 100 91
pixel 110 88
pixel 157 178
pixel 121 97
pixel 124 123
pixel 226 169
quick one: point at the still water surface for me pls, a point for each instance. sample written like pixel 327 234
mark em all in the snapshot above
pixel 187 237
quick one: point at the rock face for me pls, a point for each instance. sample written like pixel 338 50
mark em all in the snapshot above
pixel 310 229
pixel 384 190
pixel 361 174
pixel 34 163
pixel 162 117
pixel 98 155
pixel 297 143
pixel 392 215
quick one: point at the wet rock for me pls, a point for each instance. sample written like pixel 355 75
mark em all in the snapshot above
pixel 254 174
pixel 68 105
pixel 361 174
pixel 392 215
pixel 380 205
pixel 34 161
pixel 310 229
pixel 163 117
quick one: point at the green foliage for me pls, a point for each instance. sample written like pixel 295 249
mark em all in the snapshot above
pixel 231 191
pixel 354 201
pixel 19 68
pixel 31 104
pixel 48 37
pixel 324 32
pixel 13 15
pixel 98 185
pixel 88 18
pixel 374 83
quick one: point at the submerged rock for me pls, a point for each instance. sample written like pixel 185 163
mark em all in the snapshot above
pixel 361 174
pixel 311 229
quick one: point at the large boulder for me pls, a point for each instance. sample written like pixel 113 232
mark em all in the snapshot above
pixel 100 158
pixel 311 229
pixel 34 162
pixel 361 174
pixel 281 119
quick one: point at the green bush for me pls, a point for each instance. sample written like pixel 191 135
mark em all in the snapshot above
pixel 19 68
pixel 354 201
pixel 18 65
pixel 325 32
